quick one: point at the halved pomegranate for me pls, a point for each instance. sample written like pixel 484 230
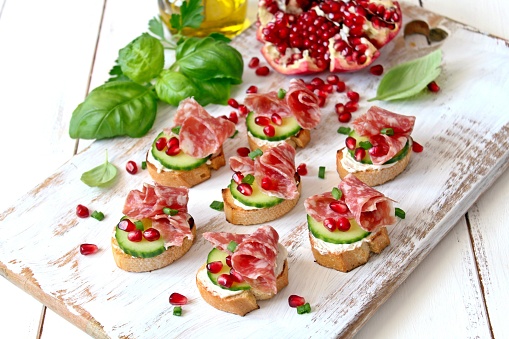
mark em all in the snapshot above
pixel 312 36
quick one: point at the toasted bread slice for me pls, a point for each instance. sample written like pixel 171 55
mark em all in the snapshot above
pixel 351 258
pixel 244 302
pixel 239 216
pixel 189 178
pixel 374 177
pixel 134 264
pixel 301 139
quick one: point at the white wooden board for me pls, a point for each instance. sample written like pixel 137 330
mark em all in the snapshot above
pixel 466 141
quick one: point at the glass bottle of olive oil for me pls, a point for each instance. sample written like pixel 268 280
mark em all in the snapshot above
pixel 223 16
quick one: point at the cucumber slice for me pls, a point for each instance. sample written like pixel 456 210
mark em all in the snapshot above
pixel 179 162
pixel 354 234
pixel 367 158
pixel 142 249
pixel 257 199
pixel 218 255
pixel 287 129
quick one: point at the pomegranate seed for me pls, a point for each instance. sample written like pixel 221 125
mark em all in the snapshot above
pixel 345 117
pixel 317 82
pixel 327 88
pixel 215 266
pixel 233 103
pixel 161 143
pixel 237 177
pixel 174 150
pixel 338 206
pixel 302 169
pixel 351 143
pixel 343 224
pixel 82 211
pixel 262 121
pixel 269 131
pixel 236 276
pixel 243 151
pixel 174 141
pixel 378 151
pixel 340 86
pixel 177 299
pixel 376 69
pixel 267 184
pixel 87 249
pixel 225 280
pixel 416 147
pixel 245 189
pixel 135 236
pixel 359 153
pixel 252 89
pixel 296 301
pixel 276 119
pixel 262 71
pixel 330 224
pixel 433 87
pixel 131 167
pixel 243 109
pixel 333 79
pixel 254 62
pixel 151 234
pixel 351 106
pixel 126 225
pixel 321 101
pixel 339 108
pixel 353 96
pixel 229 260
pixel 233 117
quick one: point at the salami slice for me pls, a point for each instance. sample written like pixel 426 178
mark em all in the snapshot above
pixel 304 104
pixel 200 133
pixel 370 208
pixel 317 206
pixel 245 165
pixel 392 144
pixel 266 104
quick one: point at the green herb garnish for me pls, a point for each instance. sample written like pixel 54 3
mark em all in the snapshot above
pixel 176 130
pixel 400 213
pixel 321 172
pixel 100 176
pixel 234 134
pixel 344 130
pixel 248 179
pixel 170 211
pixel 387 131
pixel 281 93
pixel 336 193
pixel 217 205
pixel 365 144
pixel 139 225
pixel 97 215
pixel 232 246
pixel 253 154
pixel 177 310
pixel 306 308
pixel 143 165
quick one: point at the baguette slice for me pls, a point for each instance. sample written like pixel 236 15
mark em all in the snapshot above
pixel 301 139
pixel 239 216
pixel 349 259
pixel 374 177
pixel 244 302
pixel 134 264
pixel 190 178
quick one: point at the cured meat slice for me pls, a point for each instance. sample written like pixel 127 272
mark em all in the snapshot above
pixel 370 208
pixel 317 206
pixel 200 133
pixel 221 240
pixel 278 164
pixel 245 165
pixel 304 104
pixel 393 144
pixel 266 104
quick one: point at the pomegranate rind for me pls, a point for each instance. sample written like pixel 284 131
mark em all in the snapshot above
pixel 302 67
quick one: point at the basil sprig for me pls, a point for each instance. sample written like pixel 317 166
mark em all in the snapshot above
pixel 101 176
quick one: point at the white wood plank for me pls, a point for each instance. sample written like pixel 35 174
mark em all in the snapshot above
pixel 56 326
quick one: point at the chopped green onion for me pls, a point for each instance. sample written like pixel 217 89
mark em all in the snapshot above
pixel 321 172
pixel 400 213
pixel 234 134
pixel 139 225
pixel 281 93
pixel 365 144
pixel 217 205
pixel 344 130
pixel 169 211
pixel 177 310
pixel 176 130
pixel 143 165
pixel 306 308
pixel 336 193
pixel 387 131
pixel 232 246
pixel 248 179
pixel 257 152
pixel 97 215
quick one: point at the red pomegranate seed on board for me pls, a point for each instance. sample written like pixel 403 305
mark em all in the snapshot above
pixel 376 69
pixel 351 106
pixel 332 79
pixel 225 280
pixel 233 117
pixel 233 103
pixel 126 225
pixel 350 143
pixel 339 108
pixel 243 151
pixel 252 89
pixel 338 206
pixel 135 236
pixel 269 131
pixel 151 234
pixel 343 224
pixel 302 169
pixel 330 224
pixel 433 87
pixel 245 189
pixel 416 147
pixel 340 86
pixel 262 71
pixel 161 143
pixel 296 300
pixel 254 62
pixel 215 266
pixel 317 82
pixel 353 96
pixel 178 299
pixel 243 109
pixel 82 211
pixel 345 117
pixel 87 249
pixel 131 167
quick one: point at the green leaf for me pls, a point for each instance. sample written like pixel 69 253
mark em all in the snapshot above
pixel 101 176
pixel 114 109
pixel 215 91
pixel 409 78
pixel 217 205
pixel 191 12
pixel 175 22
pixel 220 37
pixel 155 25
pixel 142 59
pixel 116 74
pixel 249 179
pixel 173 87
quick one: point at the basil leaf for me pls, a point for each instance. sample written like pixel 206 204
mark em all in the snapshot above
pixel 172 87
pixel 142 59
pixel 114 109
pixel 216 91
pixel 206 59
pixel 409 78
pixel 101 176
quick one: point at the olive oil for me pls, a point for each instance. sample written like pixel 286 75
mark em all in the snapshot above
pixel 223 16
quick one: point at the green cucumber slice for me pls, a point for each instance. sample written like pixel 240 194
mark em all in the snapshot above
pixel 142 249
pixel 257 199
pixel 287 129
pixel 179 162
pixel 218 255
pixel 367 158
pixel 354 234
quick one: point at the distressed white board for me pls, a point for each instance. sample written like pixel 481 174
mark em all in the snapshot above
pixel 465 140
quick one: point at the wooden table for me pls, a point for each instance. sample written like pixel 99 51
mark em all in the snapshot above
pixel 54 52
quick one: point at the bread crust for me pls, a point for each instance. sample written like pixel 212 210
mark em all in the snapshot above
pixel 238 216
pixel 301 139
pixel 244 302
pixel 352 258
pixel 187 178
pixel 134 264
pixel 374 177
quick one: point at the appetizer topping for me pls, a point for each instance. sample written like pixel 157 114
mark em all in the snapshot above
pixel 276 119
pixel 262 121
pixel 302 169
pixel 233 117
pixel 161 143
pixel 215 266
pixel 172 146
pixel 225 280
pixel 87 249
pixel 343 224
pixel 135 236
pixel 82 211
pixel 238 177
pixel 151 234
pixel 243 109
pixel 245 189
pixel 296 300
pixel 126 225
pixel 236 276
pixel 131 167
pixel 350 143
pixel 330 224
pixel 178 299
pixel 233 103
pixel 360 153
pixel 269 131
pixel 253 62
pixel 338 206
pixel 229 260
